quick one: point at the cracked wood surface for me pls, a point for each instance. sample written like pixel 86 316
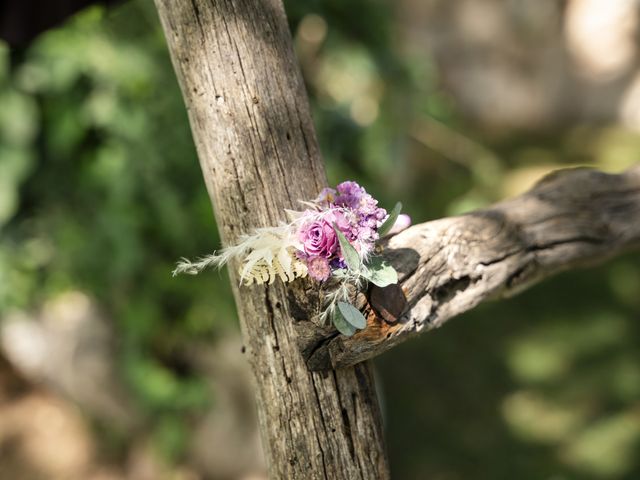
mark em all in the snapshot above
pixel 258 152
pixel 448 266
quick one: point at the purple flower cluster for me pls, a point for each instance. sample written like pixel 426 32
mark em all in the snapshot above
pixel 354 212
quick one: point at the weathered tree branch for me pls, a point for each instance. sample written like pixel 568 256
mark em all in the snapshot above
pixel 448 266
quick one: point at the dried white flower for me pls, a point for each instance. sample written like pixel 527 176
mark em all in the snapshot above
pixel 265 255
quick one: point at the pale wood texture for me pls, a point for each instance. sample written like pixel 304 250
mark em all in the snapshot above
pixel 448 266
pixel 250 120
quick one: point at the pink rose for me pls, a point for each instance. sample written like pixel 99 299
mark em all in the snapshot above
pixel 318 239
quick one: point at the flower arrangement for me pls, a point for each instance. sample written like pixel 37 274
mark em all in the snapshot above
pixel 333 241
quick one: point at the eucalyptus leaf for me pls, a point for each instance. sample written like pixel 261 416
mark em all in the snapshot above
pixel 341 323
pixel 349 253
pixel 352 315
pixel 390 221
pixel 380 273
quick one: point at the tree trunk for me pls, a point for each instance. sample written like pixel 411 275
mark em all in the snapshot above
pixel 255 139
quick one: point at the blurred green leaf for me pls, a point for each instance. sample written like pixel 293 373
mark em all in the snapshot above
pixel 349 253
pixel 391 220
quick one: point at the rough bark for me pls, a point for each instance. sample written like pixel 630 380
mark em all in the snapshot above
pixel 449 266
pixel 250 121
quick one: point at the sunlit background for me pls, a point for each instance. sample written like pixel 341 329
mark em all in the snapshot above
pixel 110 369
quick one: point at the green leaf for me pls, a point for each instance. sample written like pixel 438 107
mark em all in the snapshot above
pixel 352 315
pixel 341 323
pixel 390 221
pixel 349 253
pixel 380 273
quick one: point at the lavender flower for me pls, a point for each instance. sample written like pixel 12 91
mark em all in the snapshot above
pixel 349 195
pixel 337 263
pixel 367 216
pixel 327 197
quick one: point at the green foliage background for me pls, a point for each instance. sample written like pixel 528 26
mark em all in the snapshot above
pixel 100 191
